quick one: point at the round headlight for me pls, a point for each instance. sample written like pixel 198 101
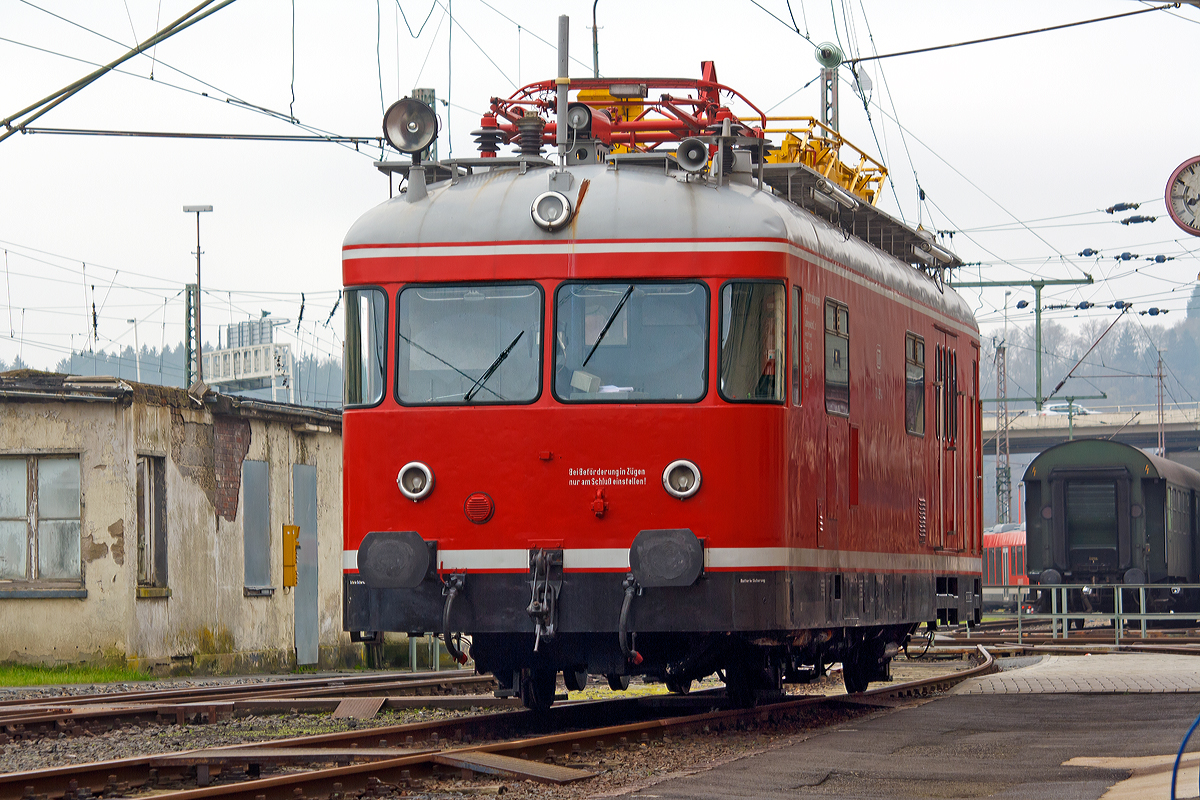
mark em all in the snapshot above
pixel 579 117
pixel 551 211
pixel 415 480
pixel 681 479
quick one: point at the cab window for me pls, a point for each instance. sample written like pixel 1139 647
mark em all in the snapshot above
pixel 752 341
pixel 366 346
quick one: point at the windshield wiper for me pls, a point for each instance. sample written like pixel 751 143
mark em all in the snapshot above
pixel 611 318
pixel 441 360
pixel 488 373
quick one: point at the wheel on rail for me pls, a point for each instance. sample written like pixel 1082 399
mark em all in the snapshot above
pixel 747 679
pixel 537 688
pixel 855 673
pixel 618 683
pixel 679 685
pixel 575 680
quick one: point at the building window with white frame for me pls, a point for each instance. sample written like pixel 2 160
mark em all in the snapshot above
pixel 39 519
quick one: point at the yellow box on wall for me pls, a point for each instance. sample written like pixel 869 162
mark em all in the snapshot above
pixel 291 541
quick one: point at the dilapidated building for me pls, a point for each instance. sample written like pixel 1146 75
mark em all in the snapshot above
pixel 143 524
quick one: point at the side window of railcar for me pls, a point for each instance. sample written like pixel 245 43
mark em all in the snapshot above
pixel 914 384
pixel 631 342
pixel 837 358
pixel 366 346
pixel 469 344
pixel 752 341
pixel 797 353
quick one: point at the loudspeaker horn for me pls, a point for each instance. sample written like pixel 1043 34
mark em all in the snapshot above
pixel 692 155
pixel 829 55
pixel 409 125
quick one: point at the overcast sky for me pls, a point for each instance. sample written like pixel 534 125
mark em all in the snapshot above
pixel 1018 144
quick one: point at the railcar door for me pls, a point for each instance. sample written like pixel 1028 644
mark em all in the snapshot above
pixel 837 426
pixel 836 475
pixel 949 524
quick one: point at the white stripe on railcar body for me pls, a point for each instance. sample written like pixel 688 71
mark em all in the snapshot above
pixel 716 558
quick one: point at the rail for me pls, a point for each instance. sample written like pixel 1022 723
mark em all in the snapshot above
pixel 1122 605
pixel 523 744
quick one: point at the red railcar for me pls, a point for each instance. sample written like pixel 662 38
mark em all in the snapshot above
pixel 1003 565
pixel 649 413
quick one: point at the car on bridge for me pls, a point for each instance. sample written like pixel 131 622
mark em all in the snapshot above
pixel 1053 409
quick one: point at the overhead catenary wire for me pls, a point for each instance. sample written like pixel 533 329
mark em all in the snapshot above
pixel 1012 35
pixel 44 105
pixel 349 142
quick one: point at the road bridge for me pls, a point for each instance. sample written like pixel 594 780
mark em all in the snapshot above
pixel 1029 432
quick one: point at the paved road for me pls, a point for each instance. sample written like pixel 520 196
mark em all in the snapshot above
pixel 1003 738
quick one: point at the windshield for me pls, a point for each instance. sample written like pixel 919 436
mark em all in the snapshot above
pixel 631 342
pixel 469 344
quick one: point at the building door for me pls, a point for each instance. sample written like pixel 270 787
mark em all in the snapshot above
pixel 304 515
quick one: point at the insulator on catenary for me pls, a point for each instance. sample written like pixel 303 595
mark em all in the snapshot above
pixel 1122 207
pixel 1087 252
pixel 1126 256
pixel 529 134
pixel 1160 259
pixel 1137 218
pixel 489 137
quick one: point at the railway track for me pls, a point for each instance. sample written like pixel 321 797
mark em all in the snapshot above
pixel 520 744
pixel 97 713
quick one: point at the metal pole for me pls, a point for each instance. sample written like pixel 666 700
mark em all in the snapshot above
pixel 595 44
pixel 564 83
pixel 1020 615
pixel 137 350
pixel 1142 608
pixel 200 338
pixel 197 210
pixel 1162 436
pixel 1037 335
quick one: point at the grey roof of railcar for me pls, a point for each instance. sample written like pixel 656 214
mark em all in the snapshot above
pixel 1122 455
pixel 632 202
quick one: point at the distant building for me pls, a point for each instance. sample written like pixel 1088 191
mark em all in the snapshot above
pixel 141 524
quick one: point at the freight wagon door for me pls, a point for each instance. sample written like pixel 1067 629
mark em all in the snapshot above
pixel 304 514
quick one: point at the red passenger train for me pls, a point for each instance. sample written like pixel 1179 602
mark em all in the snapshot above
pixel 1003 566
pixel 668 403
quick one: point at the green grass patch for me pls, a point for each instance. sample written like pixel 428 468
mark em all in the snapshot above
pixel 30 675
